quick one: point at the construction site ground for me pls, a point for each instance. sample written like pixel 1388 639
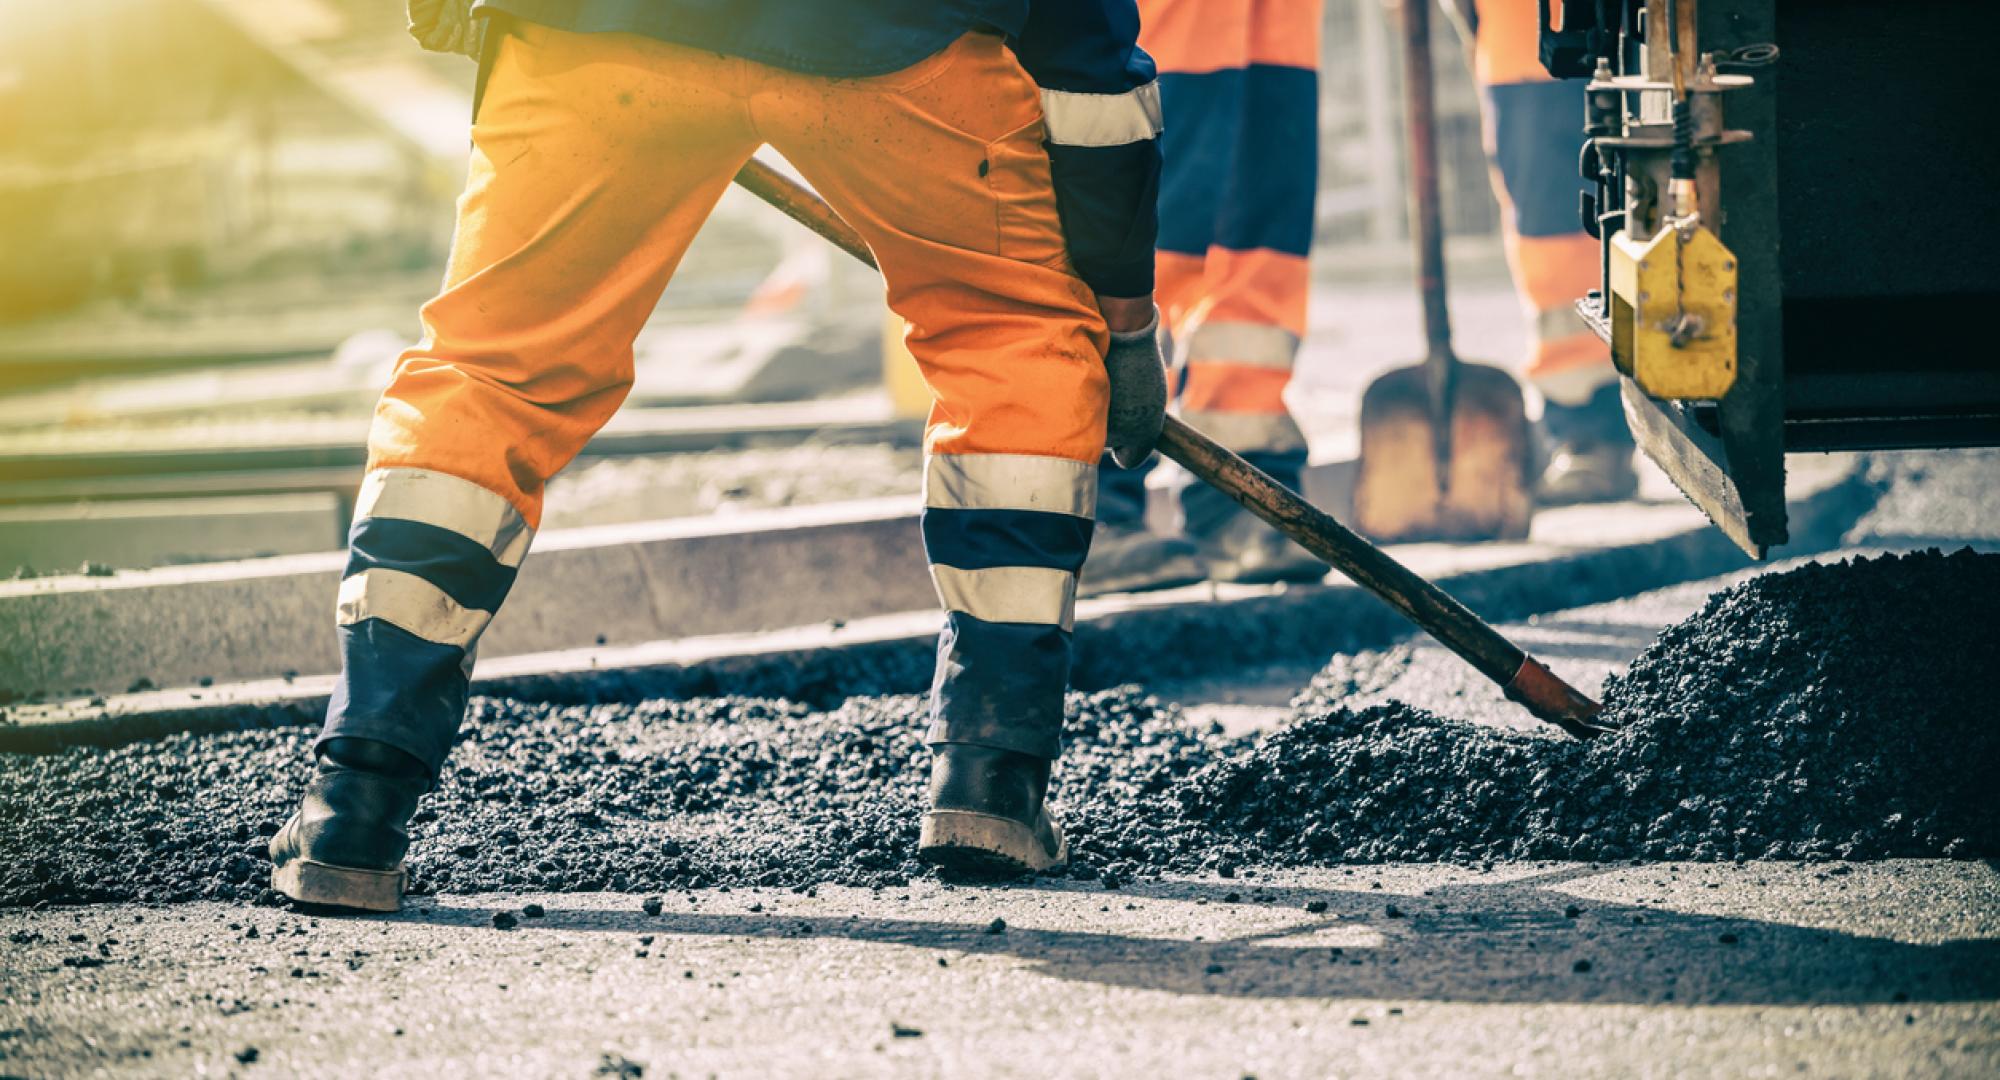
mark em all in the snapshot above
pixel 1664 970
pixel 1610 968
pixel 1447 968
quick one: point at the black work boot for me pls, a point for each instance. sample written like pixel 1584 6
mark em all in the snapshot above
pixel 1237 546
pixel 1586 452
pixel 344 846
pixel 988 815
pixel 1125 558
pixel 1245 551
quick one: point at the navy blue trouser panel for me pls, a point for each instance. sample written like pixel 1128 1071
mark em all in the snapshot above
pixel 1000 685
pixel 399 689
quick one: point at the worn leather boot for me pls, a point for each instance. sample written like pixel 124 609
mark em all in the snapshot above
pixel 988 814
pixel 1588 473
pixel 1586 452
pixel 344 846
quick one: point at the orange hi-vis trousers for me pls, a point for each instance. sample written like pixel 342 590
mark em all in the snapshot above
pixel 1239 82
pixel 1534 134
pixel 596 158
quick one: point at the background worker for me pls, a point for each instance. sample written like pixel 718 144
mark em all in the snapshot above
pixel 606 133
pixel 1239 79
pixel 1240 83
pixel 1533 136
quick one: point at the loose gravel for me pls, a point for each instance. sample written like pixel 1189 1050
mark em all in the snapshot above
pixel 1832 711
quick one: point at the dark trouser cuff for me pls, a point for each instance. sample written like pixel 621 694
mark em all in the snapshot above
pixel 399 689
pixel 1000 685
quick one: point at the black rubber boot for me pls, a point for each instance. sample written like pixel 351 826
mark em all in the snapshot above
pixel 1245 551
pixel 1586 452
pixel 1130 559
pixel 344 846
pixel 988 813
pixel 1238 548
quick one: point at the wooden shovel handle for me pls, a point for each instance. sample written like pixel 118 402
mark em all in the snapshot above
pixel 1426 213
pixel 1450 622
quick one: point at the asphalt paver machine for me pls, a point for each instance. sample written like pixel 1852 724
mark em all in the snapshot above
pixel 1795 201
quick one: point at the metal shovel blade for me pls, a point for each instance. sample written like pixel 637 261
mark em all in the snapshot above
pixel 1480 493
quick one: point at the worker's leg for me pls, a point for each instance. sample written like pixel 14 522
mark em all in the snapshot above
pixel 1534 134
pixel 941 168
pixel 596 158
pixel 1186 39
pixel 1239 336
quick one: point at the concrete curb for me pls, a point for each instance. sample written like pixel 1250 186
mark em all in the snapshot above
pixel 1205 630
pixel 251 619
pixel 328 454
pixel 262 618
pixel 148 532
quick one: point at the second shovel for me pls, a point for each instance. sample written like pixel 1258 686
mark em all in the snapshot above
pixel 1445 444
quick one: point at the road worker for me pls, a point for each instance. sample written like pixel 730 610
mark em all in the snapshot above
pixel 1240 79
pixel 1000 158
pixel 1236 216
pixel 1534 135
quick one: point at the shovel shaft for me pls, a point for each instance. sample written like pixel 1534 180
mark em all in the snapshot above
pixel 1369 566
pixel 1431 608
pixel 1426 217
pixel 804 207
pixel 1524 679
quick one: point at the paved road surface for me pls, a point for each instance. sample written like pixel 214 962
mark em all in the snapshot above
pixel 1764 969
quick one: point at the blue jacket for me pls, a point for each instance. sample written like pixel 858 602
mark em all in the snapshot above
pixel 1098 94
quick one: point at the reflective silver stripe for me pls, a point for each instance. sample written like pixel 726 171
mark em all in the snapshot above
pixel 410 602
pixel 447 502
pixel 1075 119
pixel 1009 594
pixel 1250 432
pixel 1255 344
pixel 1011 482
pixel 1559 322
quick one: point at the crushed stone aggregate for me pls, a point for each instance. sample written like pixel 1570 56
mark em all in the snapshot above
pixel 1833 711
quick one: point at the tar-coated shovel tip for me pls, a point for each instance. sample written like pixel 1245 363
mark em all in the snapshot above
pixel 1550 699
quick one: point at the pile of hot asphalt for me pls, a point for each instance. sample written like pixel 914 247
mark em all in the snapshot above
pixel 1836 711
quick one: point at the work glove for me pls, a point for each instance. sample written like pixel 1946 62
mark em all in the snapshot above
pixel 446 26
pixel 1137 366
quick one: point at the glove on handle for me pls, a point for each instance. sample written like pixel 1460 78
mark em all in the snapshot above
pixel 446 26
pixel 1138 393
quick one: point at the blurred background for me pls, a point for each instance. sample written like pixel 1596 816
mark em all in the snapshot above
pixel 218 219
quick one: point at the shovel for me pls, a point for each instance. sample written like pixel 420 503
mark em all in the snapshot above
pixel 1445 444
pixel 1525 680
